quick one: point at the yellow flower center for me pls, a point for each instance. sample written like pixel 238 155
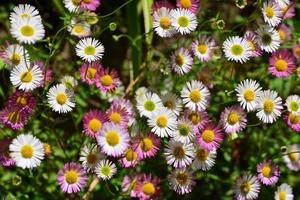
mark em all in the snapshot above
pixel 90 50
pixel 61 98
pixel 71 176
pixel 95 125
pixel 115 117
pixel 202 154
pixel 146 144
pixel 27 31
pixel 162 121
pixel 297 51
pixel 281 65
pixel 183 21
pixel 148 188
pixel 169 104
pixel 269 11
pixel 208 135
pixel 268 106
pixel 282 195
pixel 245 187
pixel 266 171
pixel 237 49
pixel 195 96
pixel 47 149
pixel 179 60
pixel 76 2
pixel 112 138
pixel 21 100
pixel 179 152
pixel 251 45
pixel 14 117
pixel 78 28
pixel 186 4
pixel 27 151
pixel 202 48
pixel 15 58
pixel 130 155
pixel 249 95
pixel 87 1
pixel 195 118
pixel 182 178
pixel 106 80
pixel 294 119
pixel 165 22
pixel 91 72
pixel 282 34
pixel 26 77
pixel 233 118
pixel 92 158
pixel 293 156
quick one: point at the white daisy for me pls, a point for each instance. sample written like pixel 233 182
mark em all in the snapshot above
pixel 61 99
pixel 27 151
pixel 181 61
pixel 172 102
pixel 247 93
pixel 27 30
pixel 106 169
pixel 204 47
pixel 284 192
pixel 148 103
pixel 163 122
pixel 90 157
pixel 72 5
pixel 23 11
pixel 183 20
pixel 26 79
pixel 195 95
pixel 69 81
pixel 79 28
pixel 179 154
pixel 89 49
pixel 269 106
pixel 162 23
pixel 237 49
pixel 293 104
pixel 272 13
pixel 184 131
pixel 204 159
pixel 268 39
pixel 292 157
pixel 16 55
pixel 181 180
pixel 246 187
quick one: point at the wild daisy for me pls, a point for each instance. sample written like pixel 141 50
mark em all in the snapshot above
pixel 106 169
pixel 268 39
pixel 184 132
pixel 233 119
pixel 26 79
pixel 179 154
pixel 90 157
pixel 191 5
pixel 195 95
pixel 130 158
pixel 124 104
pixel 282 63
pixel 118 115
pixel 89 71
pixel 89 4
pixel 269 106
pixel 252 40
pixel 146 145
pixel 181 180
pixel 237 49
pixel 148 187
pixel 181 61
pixel 198 118
pixel 284 32
pixel 289 11
pixel 292 157
pixel 61 99
pixel 162 122
pixel 183 20
pixel 15 55
pixel 293 121
pixel 293 104
pixel 129 184
pixel 172 102
pixel 203 47
pixel 148 104
pixel 14 117
pixel 247 93
pixel 162 23
pixel 210 136
pixel 47 72
pixel 89 49
pixel 272 13
pixel 23 11
pixel 204 159
pixel 107 79
pixel 93 121
pixel 25 100
pixel 27 151
pixel 72 177
pixel 247 187
pixel 284 192
pixel 113 139
pixel 69 81
pixel 79 28
pixel 268 173
pixel 72 5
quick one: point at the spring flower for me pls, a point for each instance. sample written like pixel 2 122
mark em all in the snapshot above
pixel 69 81
pixel 203 48
pixel 72 5
pixel 148 103
pixel 14 117
pixel 47 72
pixel 106 169
pixel 88 72
pixel 191 5
pixel 209 137
pixel 27 151
pixel 107 79
pixel 198 118
pixel 129 184
pixel 253 43
pixel 118 115
pixel 146 145
pixel 284 192
pixel 15 55
pixel 183 20
pixel 195 95
pixel 184 132
pixel 281 63
pixel 72 177
pixel 293 121
pixel 89 49
pixel 247 187
pixel 293 104
pixel 269 106
pixel 90 157
pixel 162 23
pixel 292 157
pixel 61 99
pixel 233 119
pixel 237 49
pixel 93 122
pixel 113 139
pixel 181 181
pixel 124 104
pixel 79 28
pixel 24 11
pixel 181 61
pixel 130 158
pixel 248 92
pixel 272 13
pixel 268 39
pixel 284 32
pixel 148 187
pixel 24 100
pixel 90 4
pixel 268 173
pixel 204 159
pixel 5 159
pixel 172 102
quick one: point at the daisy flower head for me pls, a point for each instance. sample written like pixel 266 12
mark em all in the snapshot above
pixel 195 95
pixel 47 72
pixel 89 71
pixel 118 115
pixel 129 184
pixel 23 11
pixel 204 159
pixel 268 173
pixel 93 121
pixel 25 100
pixel 289 11
pixel 210 136
pixel 203 47
pixel 272 13
pixel 162 23
pixel 26 78
pixel 90 156
pixel 89 49
pixel 247 187
pixel 27 151
pixel 14 117
pixel 237 49
pixel 113 139
pixel 148 103
pixel 292 157
pixel 162 122
pixel 183 20
pixel 284 192
pixel 198 118
pixel 15 55
pixel 293 121
pixel 282 63
pixel 247 93
pixel 181 61
pixel 148 187
pixel 191 5
pixel 252 40
pixel 181 180
pixel 79 28
pixel 106 169
pixel 179 154
pixel 184 132
pixel 269 106
pixel 172 102
pixel 69 81
pixel 72 5
pixel 5 159
pixel 90 4
pixel 293 104
pixel 107 79
pixel 284 32
pixel 268 39
pixel 233 119
pixel 61 99
pixel 146 145
pixel 130 158
pixel 72 177
pixel 124 104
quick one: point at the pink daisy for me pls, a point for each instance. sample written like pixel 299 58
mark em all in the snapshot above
pixel 88 72
pixel 92 122
pixel 146 146
pixel 72 178
pixel 5 159
pixel 282 63
pixel 89 4
pixel 161 3
pixel 289 11
pixel 129 184
pixel 148 187
pixel 118 115
pixel 296 51
pixel 203 48
pixel 233 119
pixel 14 117
pixel 210 136
pixel 284 32
pixel 107 80
pixel 252 41
pixel 198 118
pixel 268 173
pixel 293 121
pixel 24 100
pixel 192 5
pixel 47 72
pixel 130 158
pixel 124 103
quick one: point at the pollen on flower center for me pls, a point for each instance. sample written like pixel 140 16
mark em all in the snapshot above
pixel 92 158
pixel 95 124
pixel 269 11
pixel 169 104
pixel 281 65
pixel 195 96
pixel 91 72
pixel 87 1
pixel 61 98
pixel 149 105
pixel 179 60
pixel 26 77
pixel 130 155
pixel 115 117
pixel 195 118
pixel 22 100
pixel 71 176
pixel 106 80
pixel 251 45
pixel 202 48
pixel 112 138
pixel 15 58
pixel 186 4
pixel 208 135
pixel 76 2
pixel 266 171
pixel 78 28
pixel 294 106
pixel 105 170
pixel 202 154
pixel 162 121
pixel 294 119
pixel 27 31
pixel 14 116
pixel 293 156
pixel 146 144
pixel 268 106
pixel 297 51
pixel 233 118
pixel 245 187
pixel 165 22
pixel 90 50
pixel 182 178
pixel 179 152
pixel 183 21
pixel 184 129
pixel 237 49
pixel 282 195
pixel 249 95
pixel 148 188
pixel 27 151
pixel 282 34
